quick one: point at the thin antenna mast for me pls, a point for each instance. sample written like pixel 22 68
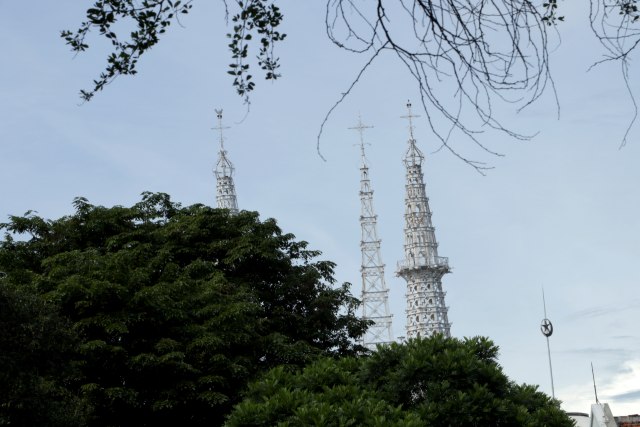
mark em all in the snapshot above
pixel 546 327
pixel 595 391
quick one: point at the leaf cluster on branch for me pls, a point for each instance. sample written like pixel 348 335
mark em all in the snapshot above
pixel 151 19
pixel 257 19
pixel 260 19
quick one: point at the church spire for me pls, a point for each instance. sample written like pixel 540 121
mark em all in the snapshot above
pixel 375 304
pixel 225 189
pixel 422 268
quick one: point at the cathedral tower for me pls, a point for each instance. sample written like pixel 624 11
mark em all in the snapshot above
pixel 375 304
pixel 225 189
pixel 422 268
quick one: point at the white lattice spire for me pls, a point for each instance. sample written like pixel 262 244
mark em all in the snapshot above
pixel 422 268
pixel 225 189
pixel 375 303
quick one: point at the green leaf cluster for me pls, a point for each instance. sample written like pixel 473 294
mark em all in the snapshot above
pixel 550 12
pixel 259 18
pixel 172 311
pixel 425 382
pixel 150 18
pixel 629 9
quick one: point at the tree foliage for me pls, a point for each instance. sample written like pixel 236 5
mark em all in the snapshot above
pixel 150 19
pixel 425 382
pixel 176 309
pixel 36 345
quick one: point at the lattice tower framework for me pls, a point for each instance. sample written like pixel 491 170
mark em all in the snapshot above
pixel 375 295
pixel 422 268
pixel 225 188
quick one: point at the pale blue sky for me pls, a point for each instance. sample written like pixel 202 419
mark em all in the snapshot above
pixel 560 211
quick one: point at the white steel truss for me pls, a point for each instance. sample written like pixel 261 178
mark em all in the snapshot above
pixel 422 268
pixel 375 303
pixel 225 189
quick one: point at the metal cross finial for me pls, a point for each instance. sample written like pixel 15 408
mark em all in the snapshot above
pixel 360 127
pixel 220 127
pixel 410 116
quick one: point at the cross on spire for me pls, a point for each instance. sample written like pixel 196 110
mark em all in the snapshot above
pixel 360 127
pixel 220 127
pixel 410 116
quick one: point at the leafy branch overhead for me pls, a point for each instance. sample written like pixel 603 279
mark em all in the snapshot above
pixel 492 51
pixel 258 18
pixel 151 18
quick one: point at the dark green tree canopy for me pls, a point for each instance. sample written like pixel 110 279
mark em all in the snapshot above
pixel 425 382
pixel 175 309
pixel 36 347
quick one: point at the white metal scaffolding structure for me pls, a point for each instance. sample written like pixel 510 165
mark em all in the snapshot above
pixel 422 268
pixel 375 303
pixel 225 189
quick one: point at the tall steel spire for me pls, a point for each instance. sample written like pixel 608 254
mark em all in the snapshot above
pixel 225 189
pixel 375 304
pixel 422 268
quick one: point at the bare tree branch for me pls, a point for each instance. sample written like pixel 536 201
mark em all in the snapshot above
pixel 465 56
pixel 615 24
pixel 480 51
